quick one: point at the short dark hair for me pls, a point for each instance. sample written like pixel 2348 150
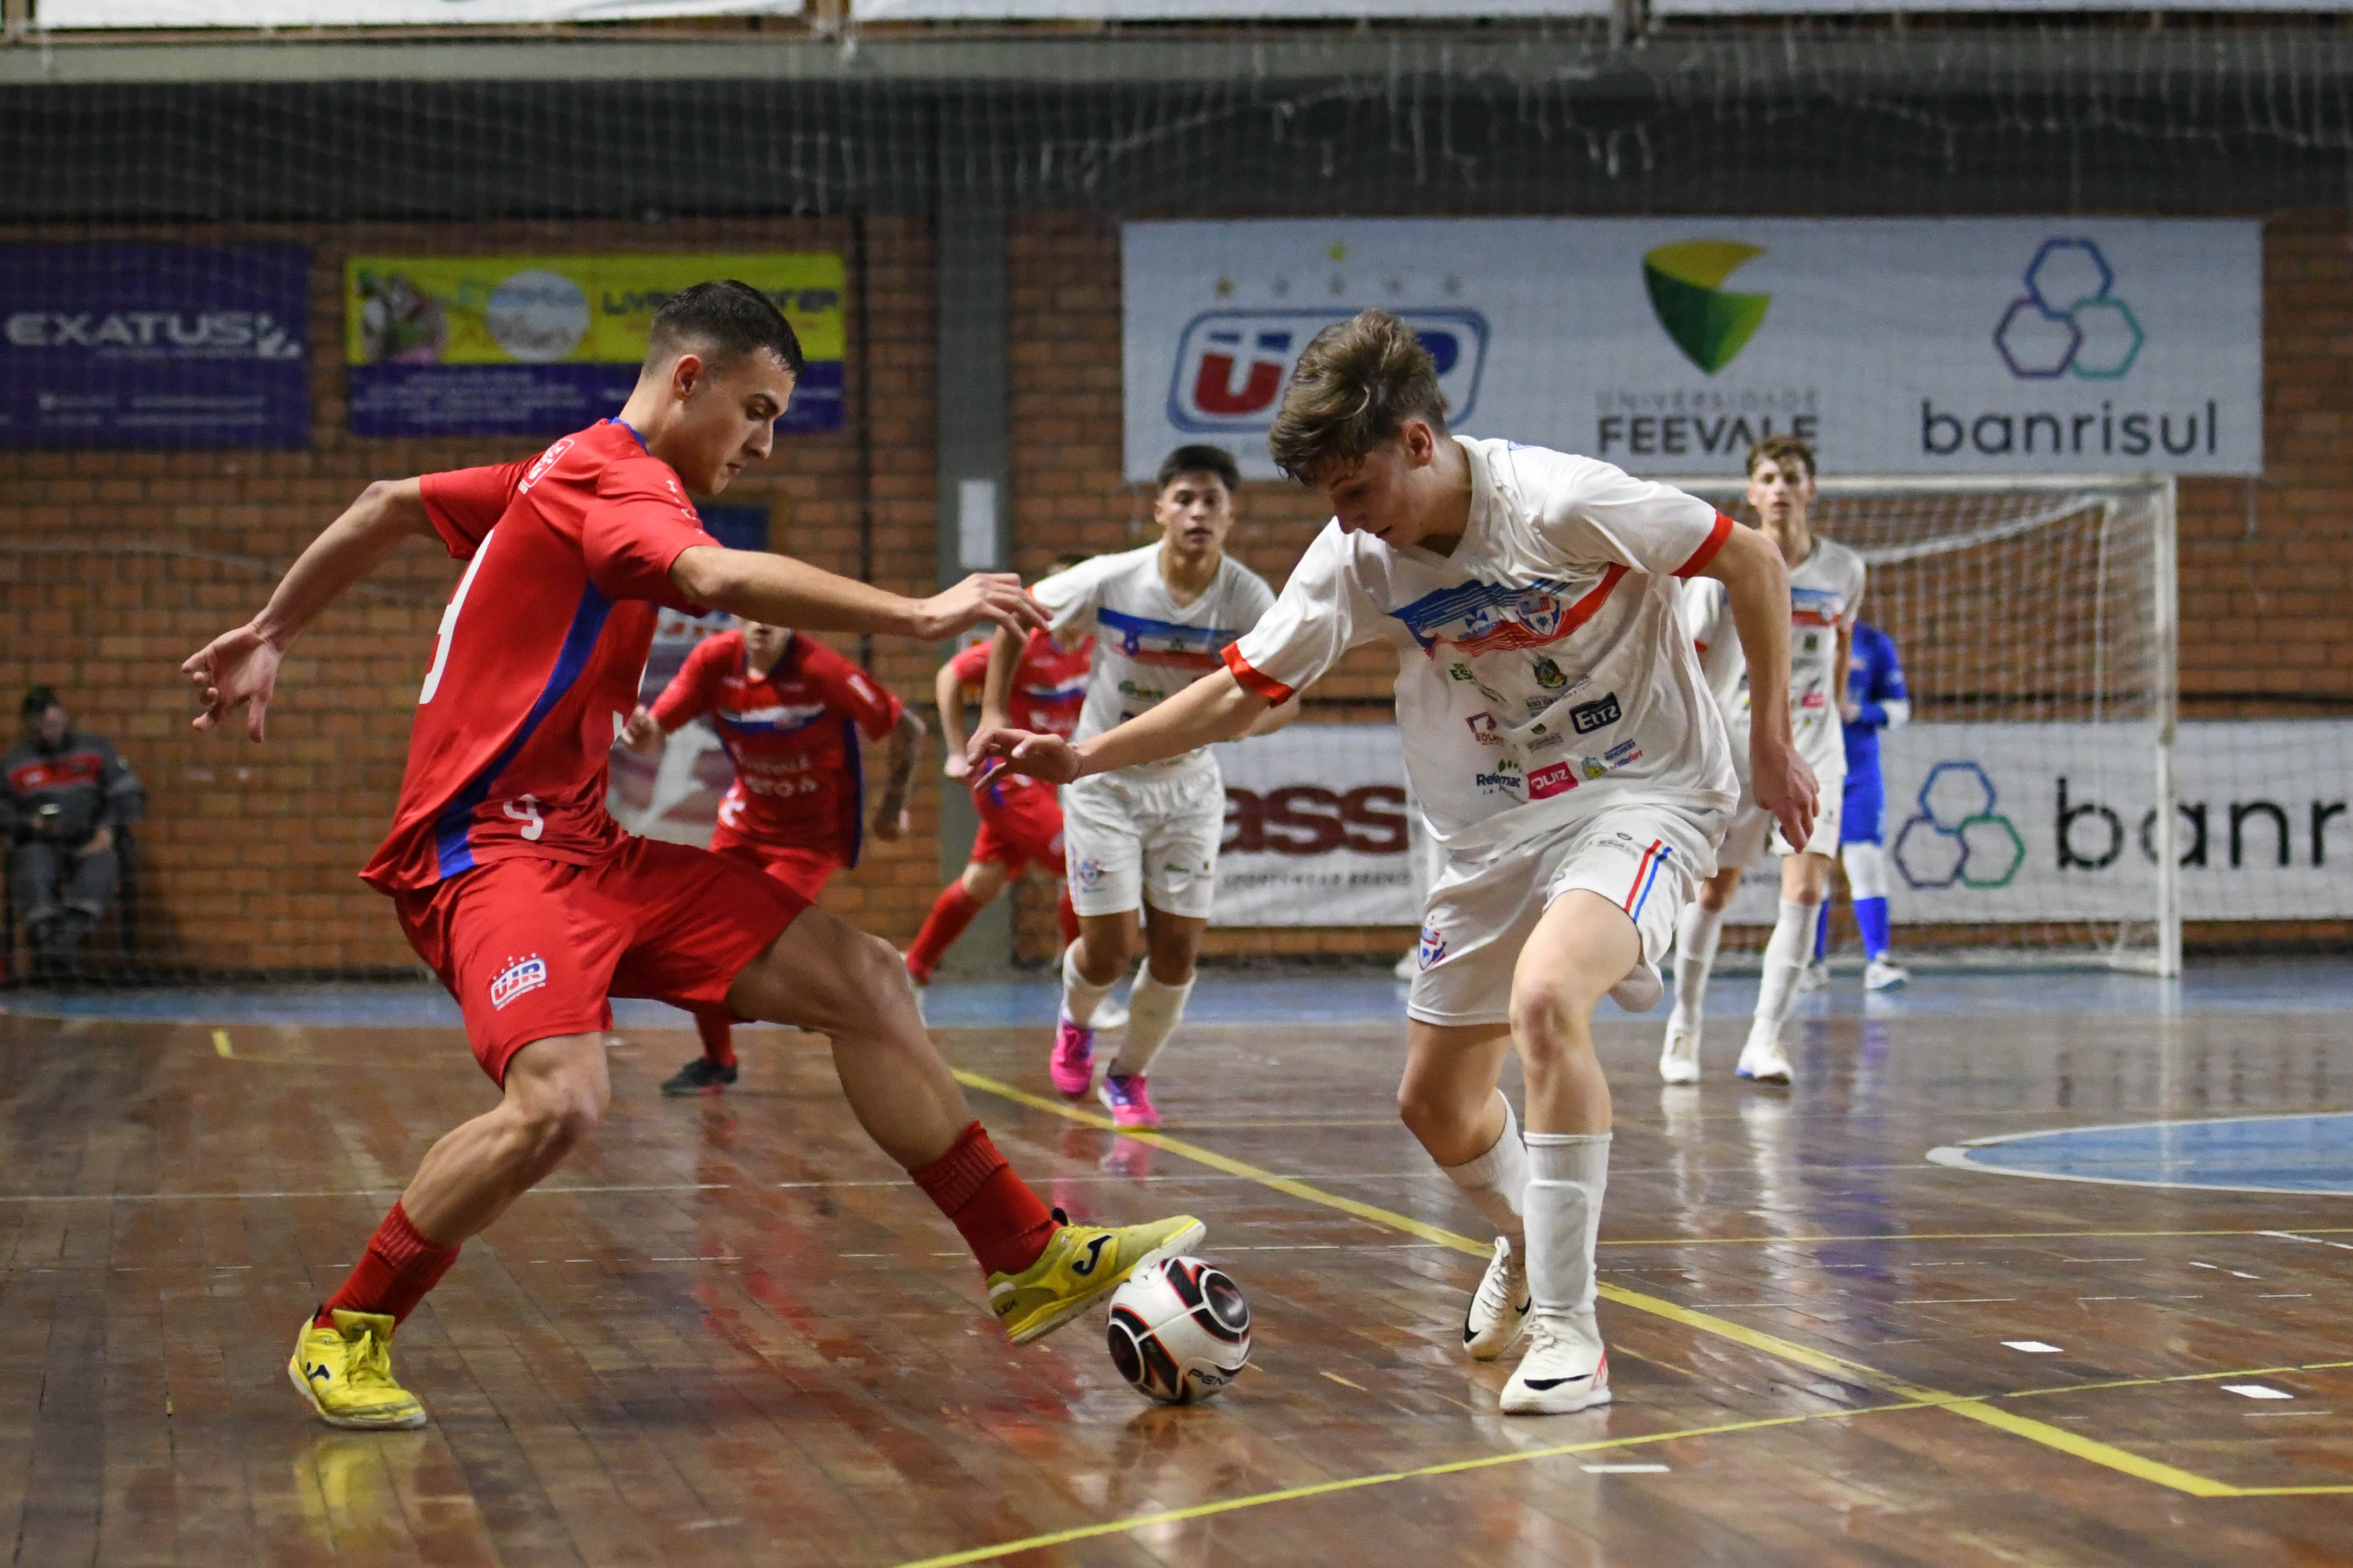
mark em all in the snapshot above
pixel 728 316
pixel 1782 450
pixel 1201 459
pixel 40 701
pixel 1356 386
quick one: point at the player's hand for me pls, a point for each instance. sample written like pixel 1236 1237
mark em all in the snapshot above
pixel 995 596
pixel 1849 709
pixel 1047 757
pixel 236 669
pixel 957 766
pixel 641 734
pixel 1785 787
pixel 891 823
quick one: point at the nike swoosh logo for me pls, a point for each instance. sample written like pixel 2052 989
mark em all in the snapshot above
pixel 1544 1383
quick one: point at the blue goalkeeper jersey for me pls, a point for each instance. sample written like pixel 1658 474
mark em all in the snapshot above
pixel 1874 677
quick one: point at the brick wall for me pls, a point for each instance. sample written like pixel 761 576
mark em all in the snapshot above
pixel 250 852
pixel 114 565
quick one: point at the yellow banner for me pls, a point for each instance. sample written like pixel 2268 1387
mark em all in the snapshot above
pixel 557 310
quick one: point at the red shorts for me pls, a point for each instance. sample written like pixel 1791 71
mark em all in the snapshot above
pixel 803 868
pixel 1019 824
pixel 532 948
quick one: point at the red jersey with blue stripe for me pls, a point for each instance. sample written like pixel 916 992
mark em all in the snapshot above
pixel 792 734
pixel 1049 684
pixel 536 667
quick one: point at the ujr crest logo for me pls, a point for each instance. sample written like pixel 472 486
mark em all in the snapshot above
pixel 1231 366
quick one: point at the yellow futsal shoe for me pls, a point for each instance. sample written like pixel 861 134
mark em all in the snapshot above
pixel 345 1371
pixel 1080 1265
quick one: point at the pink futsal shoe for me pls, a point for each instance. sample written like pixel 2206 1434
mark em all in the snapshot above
pixel 1129 1100
pixel 1072 1064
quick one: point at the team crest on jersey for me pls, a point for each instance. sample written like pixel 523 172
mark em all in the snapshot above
pixel 520 976
pixel 1431 949
pixel 1090 872
pixel 1548 674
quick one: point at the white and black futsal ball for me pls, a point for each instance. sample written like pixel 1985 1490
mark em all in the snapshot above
pixel 1179 1331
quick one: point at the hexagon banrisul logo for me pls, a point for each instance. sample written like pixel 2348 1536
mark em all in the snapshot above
pixel 1958 838
pixel 1708 324
pixel 2070 321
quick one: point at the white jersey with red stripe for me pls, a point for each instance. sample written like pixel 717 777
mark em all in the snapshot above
pixel 1543 676
pixel 1825 597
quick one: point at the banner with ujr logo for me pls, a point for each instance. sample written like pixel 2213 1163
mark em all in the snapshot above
pixel 1944 346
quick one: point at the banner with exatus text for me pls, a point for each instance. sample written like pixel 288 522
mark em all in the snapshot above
pixel 1944 346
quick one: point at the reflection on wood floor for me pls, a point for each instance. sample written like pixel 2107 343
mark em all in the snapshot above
pixel 730 1333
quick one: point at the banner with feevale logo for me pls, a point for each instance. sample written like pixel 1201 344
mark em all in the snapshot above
pixel 1930 346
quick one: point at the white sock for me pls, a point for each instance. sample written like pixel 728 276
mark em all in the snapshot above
pixel 1785 960
pixel 1153 1012
pixel 1697 935
pixel 1496 1181
pixel 1564 1218
pixel 1081 996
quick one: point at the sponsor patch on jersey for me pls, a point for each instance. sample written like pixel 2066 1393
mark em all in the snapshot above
pixel 520 976
pixel 1624 751
pixel 1598 714
pixel 1485 729
pixel 1554 778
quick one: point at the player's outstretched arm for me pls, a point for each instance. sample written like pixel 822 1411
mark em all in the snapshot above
pixel 239 668
pixel 1756 584
pixel 1214 707
pixel 947 691
pixel 782 592
pixel 905 754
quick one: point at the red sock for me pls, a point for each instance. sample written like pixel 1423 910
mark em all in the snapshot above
pixel 951 912
pixel 1002 1220
pixel 1068 913
pixel 718 1037
pixel 393 1273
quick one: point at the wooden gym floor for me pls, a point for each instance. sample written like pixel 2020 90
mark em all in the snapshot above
pixel 730 1333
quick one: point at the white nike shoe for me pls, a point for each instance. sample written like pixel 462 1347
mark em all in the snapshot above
pixel 1640 990
pixel 1813 977
pixel 1679 1057
pixel 1565 1368
pixel 1499 1307
pixel 1881 976
pixel 1764 1061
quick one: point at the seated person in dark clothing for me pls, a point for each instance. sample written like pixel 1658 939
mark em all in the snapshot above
pixel 67 795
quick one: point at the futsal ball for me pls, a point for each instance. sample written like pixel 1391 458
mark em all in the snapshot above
pixel 1179 1331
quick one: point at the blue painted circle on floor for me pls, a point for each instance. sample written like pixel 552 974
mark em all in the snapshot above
pixel 2260 1154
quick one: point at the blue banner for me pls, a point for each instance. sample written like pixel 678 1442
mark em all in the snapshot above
pixel 154 345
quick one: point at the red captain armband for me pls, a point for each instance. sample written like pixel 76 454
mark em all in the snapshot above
pixel 1708 547
pixel 1253 682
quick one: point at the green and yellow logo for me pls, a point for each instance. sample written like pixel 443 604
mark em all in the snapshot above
pixel 1685 283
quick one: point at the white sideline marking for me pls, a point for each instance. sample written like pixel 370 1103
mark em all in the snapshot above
pixel 2032 1347
pixel 1625 1469
pixel 2256 1391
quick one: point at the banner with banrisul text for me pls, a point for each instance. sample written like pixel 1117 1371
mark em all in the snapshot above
pixel 1938 346
pixel 535 345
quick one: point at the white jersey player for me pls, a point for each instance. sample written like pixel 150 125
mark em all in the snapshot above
pixel 1142 842
pixel 1826 583
pixel 1560 743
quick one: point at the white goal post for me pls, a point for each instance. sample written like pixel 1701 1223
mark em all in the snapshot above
pixel 2030 804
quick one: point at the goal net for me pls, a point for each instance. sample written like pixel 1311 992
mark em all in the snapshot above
pixel 2028 802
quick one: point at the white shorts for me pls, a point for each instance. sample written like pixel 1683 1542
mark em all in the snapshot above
pixel 1744 841
pixel 1646 860
pixel 1146 836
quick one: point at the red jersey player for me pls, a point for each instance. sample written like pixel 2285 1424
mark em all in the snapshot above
pixel 1021 820
pixel 788 709
pixel 513 881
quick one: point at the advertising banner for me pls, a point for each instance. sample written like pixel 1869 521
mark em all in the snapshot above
pixel 1944 346
pixel 154 345
pixel 536 345
pixel 2057 822
pixel 675 797
pixel 1211 10
pixel 1315 829
pixel 76 13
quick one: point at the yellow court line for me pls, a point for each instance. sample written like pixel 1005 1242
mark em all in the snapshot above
pixel 1353 1483
pixel 1972 1408
pixel 221 1044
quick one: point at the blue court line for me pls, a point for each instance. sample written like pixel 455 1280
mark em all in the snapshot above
pixel 2299 1154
